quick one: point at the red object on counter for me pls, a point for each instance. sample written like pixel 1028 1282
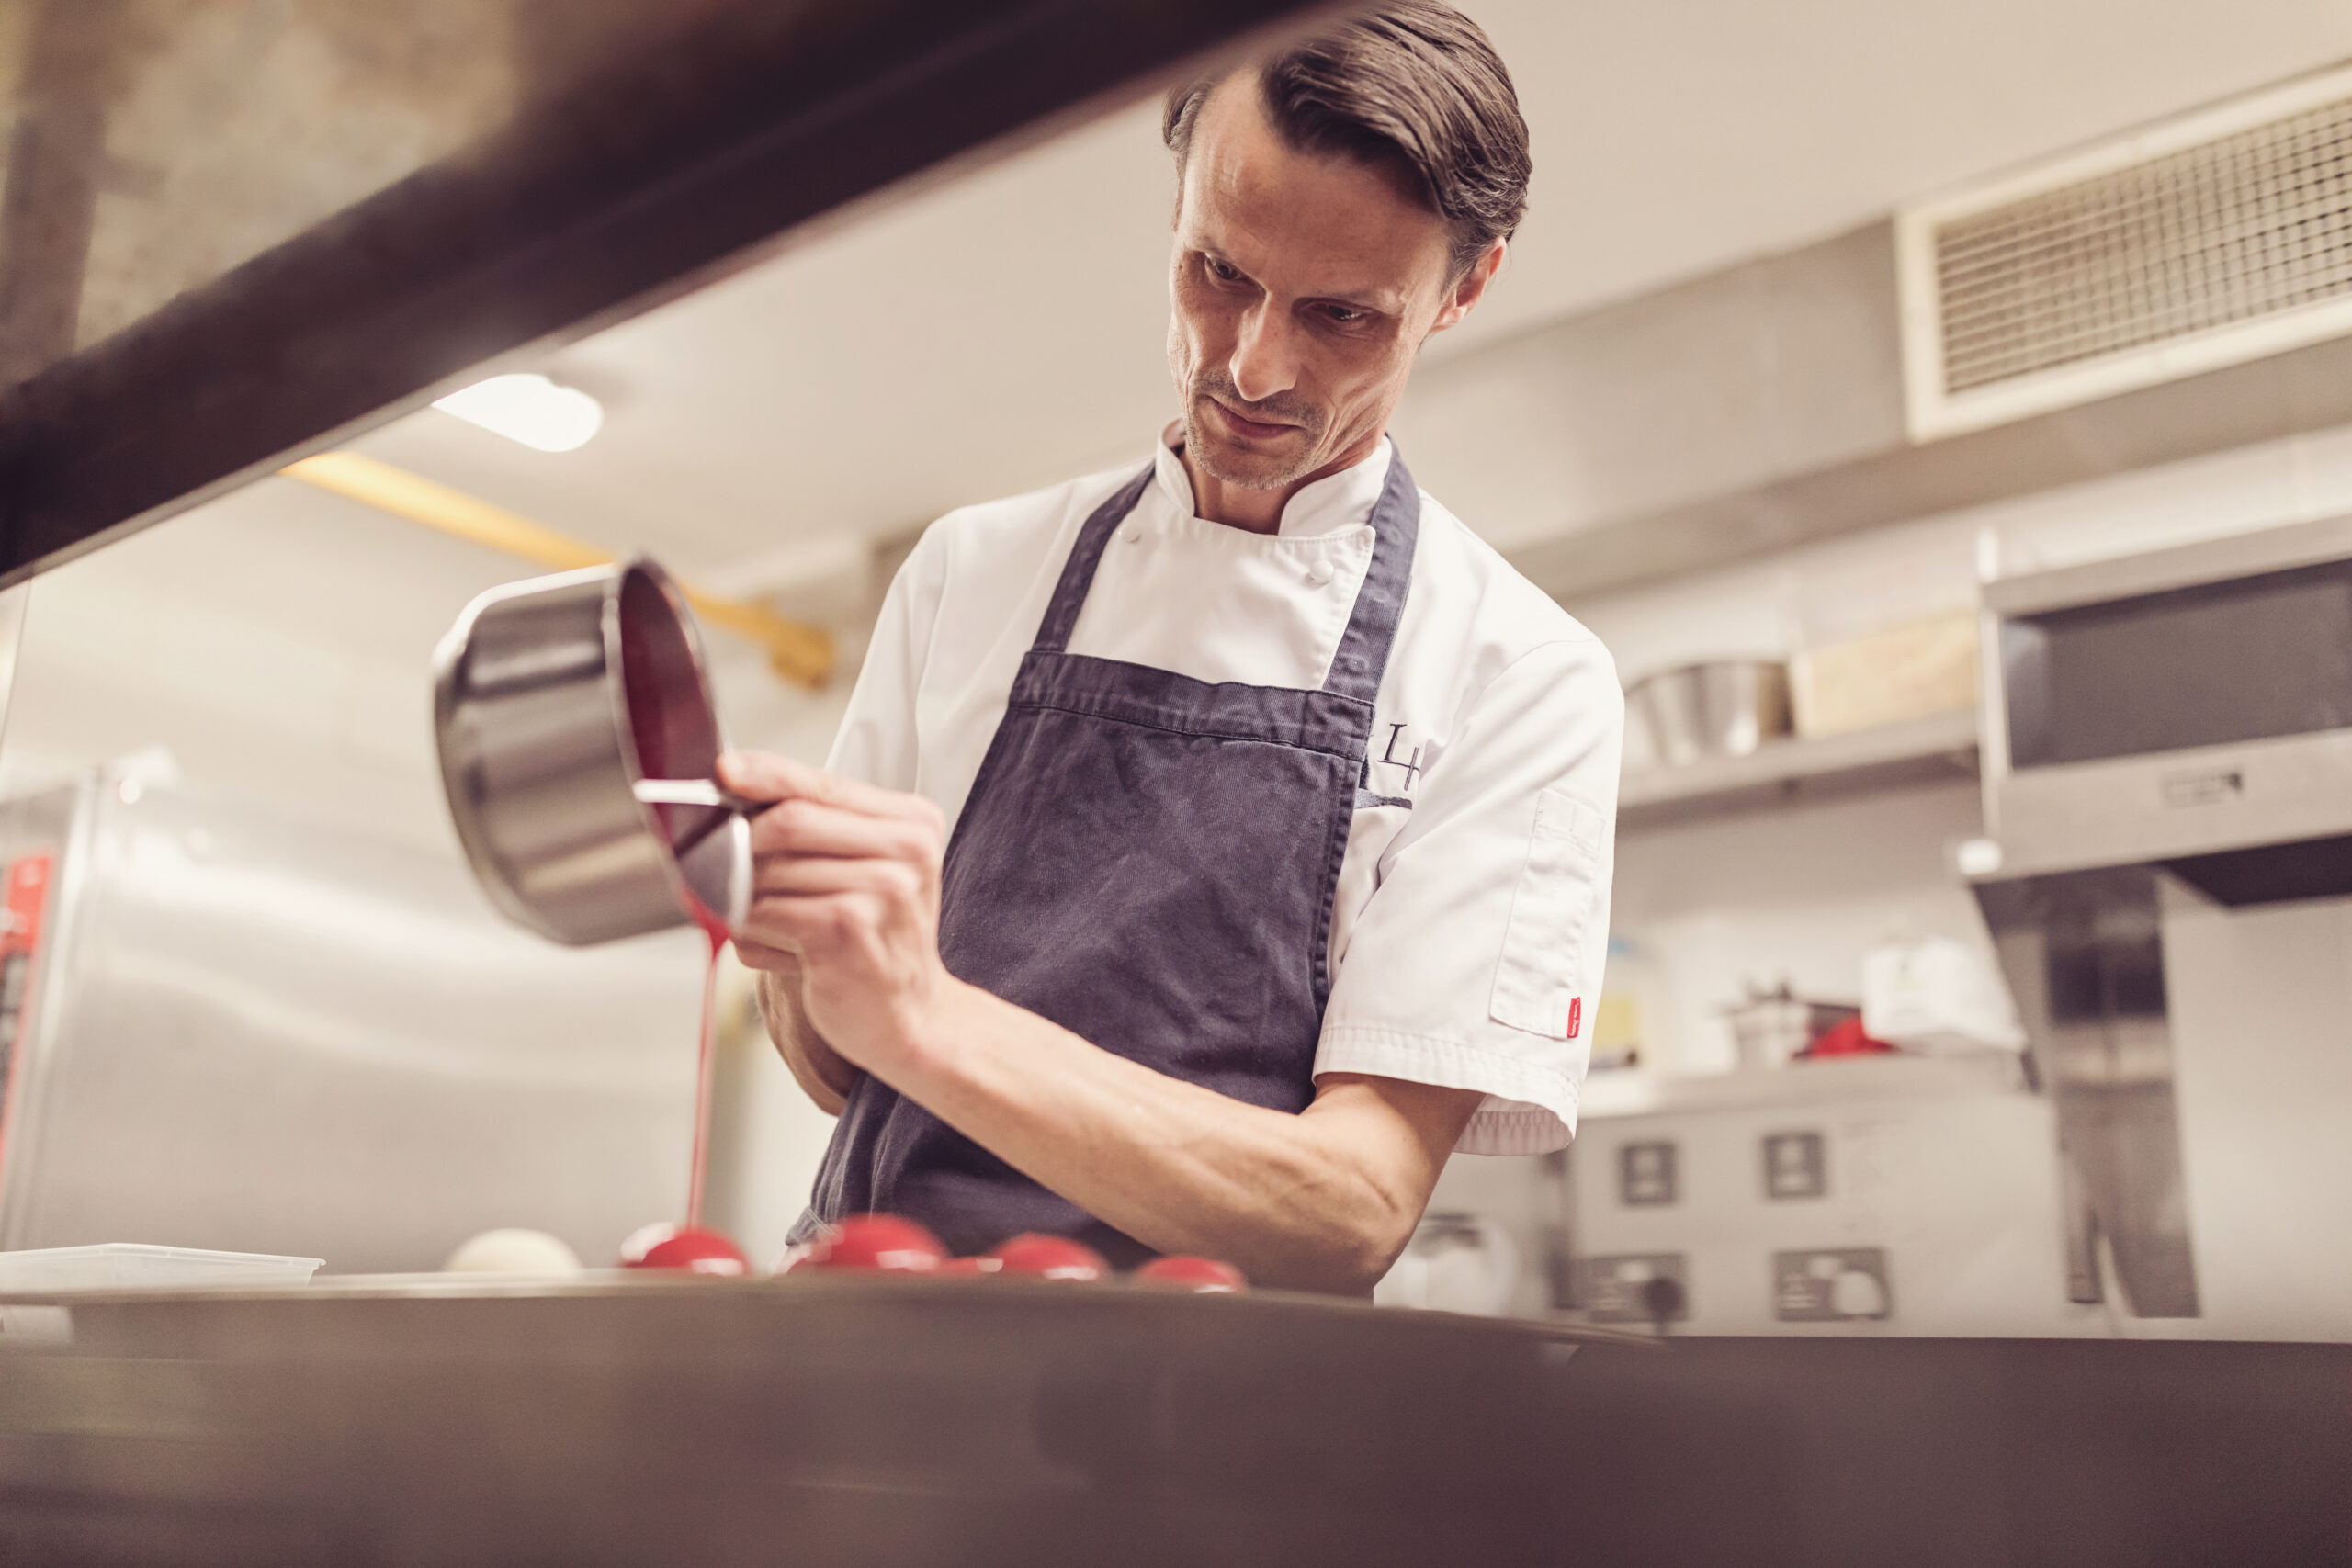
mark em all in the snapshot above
pixel 688 1247
pixel 26 896
pixel 883 1242
pixel 972 1267
pixel 1050 1258
pixel 1202 1276
pixel 1844 1039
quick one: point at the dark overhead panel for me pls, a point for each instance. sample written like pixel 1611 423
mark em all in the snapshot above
pixel 643 147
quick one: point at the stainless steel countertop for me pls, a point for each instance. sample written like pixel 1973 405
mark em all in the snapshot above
pixel 454 1420
pixel 812 1419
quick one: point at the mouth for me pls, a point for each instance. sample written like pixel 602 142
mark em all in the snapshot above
pixel 1249 429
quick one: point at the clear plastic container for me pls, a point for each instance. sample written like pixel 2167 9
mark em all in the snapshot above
pixel 131 1265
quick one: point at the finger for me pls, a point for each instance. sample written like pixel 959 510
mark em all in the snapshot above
pixel 756 954
pixel 807 827
pixel 820 877
pixel 763 775
pixel 814 922
pixel 758 930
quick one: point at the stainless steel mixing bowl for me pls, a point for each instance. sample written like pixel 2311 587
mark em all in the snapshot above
pixel 1723 709
pixel 552 697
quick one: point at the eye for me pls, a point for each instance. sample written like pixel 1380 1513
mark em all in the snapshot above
pixel 1222 271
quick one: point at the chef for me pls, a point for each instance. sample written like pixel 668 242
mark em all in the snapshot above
pixel 1214 845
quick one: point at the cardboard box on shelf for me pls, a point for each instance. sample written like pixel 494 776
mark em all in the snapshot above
pixel 1908 671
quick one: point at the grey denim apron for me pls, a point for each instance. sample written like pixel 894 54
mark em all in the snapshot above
pixel 1149 861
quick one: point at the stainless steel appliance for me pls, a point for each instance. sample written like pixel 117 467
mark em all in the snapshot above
pixel 2190 706
pixel 2083 954
pixel 2184 714
pixel 227 1026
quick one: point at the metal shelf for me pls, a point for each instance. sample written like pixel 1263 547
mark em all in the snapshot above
pixel 1941 745
pixel 1635 1092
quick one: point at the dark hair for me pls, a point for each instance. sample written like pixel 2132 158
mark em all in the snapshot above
pixel 1414 83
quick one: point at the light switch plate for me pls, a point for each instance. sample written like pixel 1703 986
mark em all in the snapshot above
pixel 1796 1164
pixel 1649 1175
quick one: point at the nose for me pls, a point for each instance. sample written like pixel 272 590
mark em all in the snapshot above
pixel 1265 357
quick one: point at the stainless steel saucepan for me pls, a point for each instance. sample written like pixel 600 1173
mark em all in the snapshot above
pixel 577 737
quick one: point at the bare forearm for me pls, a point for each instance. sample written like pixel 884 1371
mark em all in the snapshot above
pixel 1321 1200
pixel 821 1072
pixel 846 911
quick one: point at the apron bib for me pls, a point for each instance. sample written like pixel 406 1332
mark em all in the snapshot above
pixel 1149 861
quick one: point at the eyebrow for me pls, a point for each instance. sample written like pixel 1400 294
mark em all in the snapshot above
pixel 1355 301
pixel 1370 302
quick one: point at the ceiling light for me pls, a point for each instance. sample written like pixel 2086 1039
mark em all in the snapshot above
pixel 529 409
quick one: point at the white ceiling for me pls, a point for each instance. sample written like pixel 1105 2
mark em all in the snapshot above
pixel 1003 329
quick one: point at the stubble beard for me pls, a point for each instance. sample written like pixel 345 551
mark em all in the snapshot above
pixel 1230 464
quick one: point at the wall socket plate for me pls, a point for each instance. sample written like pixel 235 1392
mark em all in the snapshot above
pixel 1833 1284
pixel 1633 1287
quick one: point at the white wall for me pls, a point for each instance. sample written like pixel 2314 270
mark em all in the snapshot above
pixel 1725 904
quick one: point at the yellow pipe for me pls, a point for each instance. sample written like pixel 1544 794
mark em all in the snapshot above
pixel 796 651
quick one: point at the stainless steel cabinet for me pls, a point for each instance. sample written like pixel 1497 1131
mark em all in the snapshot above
pixel 238 1028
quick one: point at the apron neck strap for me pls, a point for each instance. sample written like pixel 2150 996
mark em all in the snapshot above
pixel 1380 603
pixel 1078 572
pixel 1363 655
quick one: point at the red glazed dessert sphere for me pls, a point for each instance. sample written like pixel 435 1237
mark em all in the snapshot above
pixel 882 1242
pixel 687 1247
pixel 1204 1276
pixel 972 1267
pixel 1050 1258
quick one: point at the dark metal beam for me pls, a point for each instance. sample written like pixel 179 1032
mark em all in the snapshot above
pixel 722 124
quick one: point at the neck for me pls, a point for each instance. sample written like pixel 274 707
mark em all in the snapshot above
pixel 1259 511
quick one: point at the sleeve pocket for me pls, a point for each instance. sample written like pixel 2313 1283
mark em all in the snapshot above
pixel 1543 945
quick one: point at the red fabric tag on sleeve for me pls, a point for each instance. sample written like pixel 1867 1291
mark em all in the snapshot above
pixel 1576 1016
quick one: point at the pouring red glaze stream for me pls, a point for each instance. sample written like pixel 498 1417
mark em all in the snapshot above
pixel 716 930
pixel 674 740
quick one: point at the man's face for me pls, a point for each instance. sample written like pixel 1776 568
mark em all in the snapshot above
pixel 1302 287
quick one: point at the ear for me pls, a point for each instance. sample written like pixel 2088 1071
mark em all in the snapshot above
pixel 1470 287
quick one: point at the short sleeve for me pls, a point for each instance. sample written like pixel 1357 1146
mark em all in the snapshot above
pixel 878 743
pixel 1477 961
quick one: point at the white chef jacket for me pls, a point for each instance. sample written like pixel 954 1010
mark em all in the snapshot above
pixel 1470 926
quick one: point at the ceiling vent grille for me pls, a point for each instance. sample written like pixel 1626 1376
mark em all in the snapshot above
pixel 2211 241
